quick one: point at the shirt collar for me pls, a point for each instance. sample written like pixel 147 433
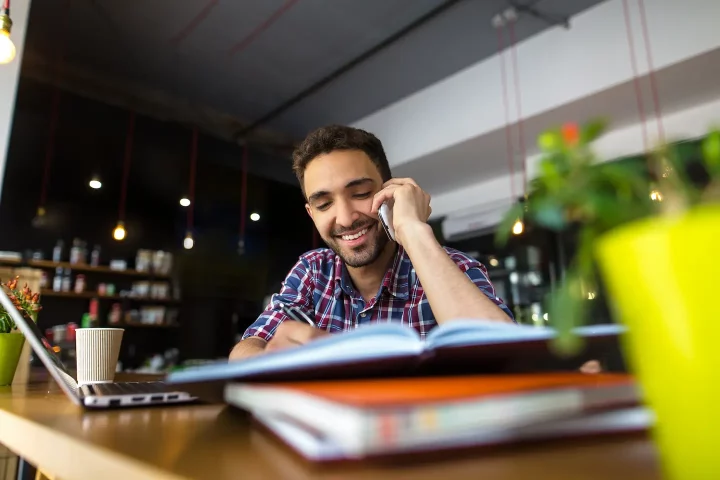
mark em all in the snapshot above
pixel 396 280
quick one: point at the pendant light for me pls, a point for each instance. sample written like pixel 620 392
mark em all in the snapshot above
pixel 243 198
pixel 507 19
pixel 189 241
pixel 7 47
pixel 120 233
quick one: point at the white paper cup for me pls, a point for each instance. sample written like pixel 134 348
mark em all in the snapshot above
pixel 97 351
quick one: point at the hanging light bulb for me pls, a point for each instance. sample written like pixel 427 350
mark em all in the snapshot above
pixel 119 232
pixel 95 183
pixel 188 243
pixel 184 202
pixel 518 227
pixel 254 217
pixel 7 47
pixel 39 220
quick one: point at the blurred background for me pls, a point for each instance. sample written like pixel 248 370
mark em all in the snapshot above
pixel 113 98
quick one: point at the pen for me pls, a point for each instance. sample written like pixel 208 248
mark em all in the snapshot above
pixel 296 314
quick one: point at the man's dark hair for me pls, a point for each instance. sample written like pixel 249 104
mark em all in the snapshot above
pixel 338 137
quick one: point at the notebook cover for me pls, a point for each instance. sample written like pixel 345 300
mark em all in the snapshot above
pixel 379 393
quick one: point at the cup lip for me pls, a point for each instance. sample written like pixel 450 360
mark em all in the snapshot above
pixel 99 328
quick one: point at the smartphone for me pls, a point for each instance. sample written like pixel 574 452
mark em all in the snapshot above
pixel 385 214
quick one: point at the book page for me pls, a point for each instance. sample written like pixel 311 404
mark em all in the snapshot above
pixel 366 343
pixel 466 332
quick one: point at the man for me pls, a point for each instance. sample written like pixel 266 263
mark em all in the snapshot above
pixel 364 277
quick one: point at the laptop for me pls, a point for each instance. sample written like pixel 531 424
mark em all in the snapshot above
pixel 100 395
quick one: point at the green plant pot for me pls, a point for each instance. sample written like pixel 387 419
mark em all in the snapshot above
pixel 11 345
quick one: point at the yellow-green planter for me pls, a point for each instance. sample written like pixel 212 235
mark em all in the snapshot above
pixel 11 345
pixel 663 276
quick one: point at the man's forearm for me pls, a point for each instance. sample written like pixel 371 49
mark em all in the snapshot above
pixel 449 291
pixel 247 348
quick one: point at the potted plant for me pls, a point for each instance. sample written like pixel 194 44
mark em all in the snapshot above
pixel 651 236
pixel 12 341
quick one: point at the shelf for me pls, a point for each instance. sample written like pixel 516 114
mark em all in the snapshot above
pixel 79 267
pixel 118 298
pixel 143 325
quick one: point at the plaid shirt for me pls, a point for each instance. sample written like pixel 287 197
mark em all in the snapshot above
pixel 320 286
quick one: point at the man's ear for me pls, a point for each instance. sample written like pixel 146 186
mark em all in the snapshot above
pixel 309 211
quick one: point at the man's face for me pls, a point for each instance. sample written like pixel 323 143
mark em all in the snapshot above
pixel 340 187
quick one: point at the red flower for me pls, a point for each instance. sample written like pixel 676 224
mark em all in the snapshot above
pixel 570 134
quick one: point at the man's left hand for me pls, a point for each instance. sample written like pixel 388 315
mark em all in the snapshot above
pixel 410 204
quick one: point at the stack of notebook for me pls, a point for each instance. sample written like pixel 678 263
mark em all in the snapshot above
pixel 382 390
pixel 354 419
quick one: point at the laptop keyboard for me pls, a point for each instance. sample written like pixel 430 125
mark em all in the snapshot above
pixel 126 388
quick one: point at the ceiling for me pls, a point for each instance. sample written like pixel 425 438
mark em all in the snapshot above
pixel 676 89
pixel 263 70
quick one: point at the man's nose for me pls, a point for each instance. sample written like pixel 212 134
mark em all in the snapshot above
pixel 346 214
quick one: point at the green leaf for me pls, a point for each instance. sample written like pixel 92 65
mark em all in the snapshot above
pixel 6 323
pixel 550 141
pixel 567 309
pixel 504 229
pixel 711 152
pixel 592 130
pixel 549 213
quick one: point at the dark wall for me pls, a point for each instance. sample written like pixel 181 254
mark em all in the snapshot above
pixel 216 282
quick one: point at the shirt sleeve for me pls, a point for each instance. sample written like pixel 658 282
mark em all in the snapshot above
pixel 296 291
pixel 478 274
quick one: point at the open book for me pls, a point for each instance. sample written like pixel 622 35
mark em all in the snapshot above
pixel 391 349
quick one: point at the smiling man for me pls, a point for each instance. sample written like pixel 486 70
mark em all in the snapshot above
pixel 364 277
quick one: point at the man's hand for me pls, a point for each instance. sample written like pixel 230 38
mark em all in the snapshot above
pixel 291 334
pixel 410 204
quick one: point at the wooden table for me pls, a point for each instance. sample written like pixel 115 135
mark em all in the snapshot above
pixel 216 442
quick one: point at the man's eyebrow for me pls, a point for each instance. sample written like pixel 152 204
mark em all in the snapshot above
pixel 359 181
pixel 318 194
pixel 352 183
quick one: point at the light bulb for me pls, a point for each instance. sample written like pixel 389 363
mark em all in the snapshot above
pixel 518 227
pixel 188 243
pixel 95 183
pixel 184 202
pixel 7 47
pixel 494 262
pixel 254 217
pixel 119 232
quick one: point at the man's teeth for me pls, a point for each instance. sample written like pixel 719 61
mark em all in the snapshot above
pixel 357 235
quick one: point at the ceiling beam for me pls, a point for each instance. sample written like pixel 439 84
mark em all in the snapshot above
pixel 153 103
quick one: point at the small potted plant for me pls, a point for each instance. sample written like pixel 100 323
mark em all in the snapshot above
pixel 11 340
pixel 650 235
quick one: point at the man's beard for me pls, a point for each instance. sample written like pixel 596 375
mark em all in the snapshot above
pixel 363 255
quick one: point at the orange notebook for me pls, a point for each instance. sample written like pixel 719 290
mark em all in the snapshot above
pixel 366 417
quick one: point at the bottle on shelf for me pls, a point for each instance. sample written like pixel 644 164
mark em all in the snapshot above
pixel 95 256
pixel 67 280
pixel 75 251
pixel 80 284
pixel 58 252
pixel 58 280
pixel 43 279
pixel 115 314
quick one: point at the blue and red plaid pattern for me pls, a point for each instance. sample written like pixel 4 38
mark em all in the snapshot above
pixel 320 286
